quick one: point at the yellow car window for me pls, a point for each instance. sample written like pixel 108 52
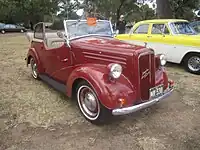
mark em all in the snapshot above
pixel 159 29
pixel 142 29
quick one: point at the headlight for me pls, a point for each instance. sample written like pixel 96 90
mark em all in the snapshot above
pixel 115 71
pixel 163 60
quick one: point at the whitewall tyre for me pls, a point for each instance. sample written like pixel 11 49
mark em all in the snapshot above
pixel 89 104
pixel 34 70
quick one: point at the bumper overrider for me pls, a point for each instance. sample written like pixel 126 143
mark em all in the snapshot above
pixel 128 110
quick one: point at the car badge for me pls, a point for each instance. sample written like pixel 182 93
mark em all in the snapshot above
pixel 145 73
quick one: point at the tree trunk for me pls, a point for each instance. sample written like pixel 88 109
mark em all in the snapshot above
pixel 119 9
pixel 163 9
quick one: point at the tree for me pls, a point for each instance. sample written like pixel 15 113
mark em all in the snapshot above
pixel 183 9
pixel 114 8
pixel 13 11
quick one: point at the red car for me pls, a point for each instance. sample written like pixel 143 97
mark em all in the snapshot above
pixel 104 75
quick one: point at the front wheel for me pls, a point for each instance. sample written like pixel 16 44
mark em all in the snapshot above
pixel 192 63
pixel 90 106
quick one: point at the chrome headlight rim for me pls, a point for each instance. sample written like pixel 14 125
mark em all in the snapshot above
pixel 163 60
pixel 115 70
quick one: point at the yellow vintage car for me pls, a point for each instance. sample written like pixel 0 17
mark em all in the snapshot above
pixel 173 37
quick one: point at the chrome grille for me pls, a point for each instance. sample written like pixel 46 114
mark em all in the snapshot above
pixel 146 73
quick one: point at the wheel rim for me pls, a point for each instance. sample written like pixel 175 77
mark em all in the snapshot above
pixel 2 31
pixel 88 102
pixel 34 68
pixel 22 31
pixel 194 63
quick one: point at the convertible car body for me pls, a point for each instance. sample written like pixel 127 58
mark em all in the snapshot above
pixel 173 37
pixel 104 75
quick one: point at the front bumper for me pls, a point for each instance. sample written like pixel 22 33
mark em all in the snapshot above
pixel 128 110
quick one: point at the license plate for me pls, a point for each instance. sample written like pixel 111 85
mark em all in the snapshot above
pixel 156 91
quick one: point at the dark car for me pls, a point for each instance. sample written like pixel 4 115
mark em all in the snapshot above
pixel 11 28
pixel 196 26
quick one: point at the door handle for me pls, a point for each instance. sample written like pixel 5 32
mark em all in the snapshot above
pixel 64 60
pixel 149 36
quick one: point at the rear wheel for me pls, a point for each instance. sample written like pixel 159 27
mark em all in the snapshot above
pixel 89 104
pixel 34 70
pixel 192 63
pixel 3 31
pixel 21 30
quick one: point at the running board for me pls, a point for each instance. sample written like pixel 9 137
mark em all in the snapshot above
pixel 53 83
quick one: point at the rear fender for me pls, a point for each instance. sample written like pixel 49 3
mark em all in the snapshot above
pixel 107 91
pixel 189 52
pixel 32 53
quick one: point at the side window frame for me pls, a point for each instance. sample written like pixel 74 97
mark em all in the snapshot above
pixel 134 32
pixel 165 26
pixel 43 30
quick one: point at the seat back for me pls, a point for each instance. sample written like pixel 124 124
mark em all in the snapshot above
pixel 53 41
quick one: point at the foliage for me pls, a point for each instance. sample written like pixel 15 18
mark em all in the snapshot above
pixel 184 8
pixel 68 9
pixel 24 10
pixel 129 8
pixel 17 11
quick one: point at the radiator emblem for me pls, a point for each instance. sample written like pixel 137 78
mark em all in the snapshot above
pixel 145 73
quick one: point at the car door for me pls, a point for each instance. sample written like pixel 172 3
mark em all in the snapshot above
pixel 58 60
pixel 13 28
pixel 139 36
pixel 160 39
pixel 157 39
pixel 57 53
pixel 10 28
pixel 7 28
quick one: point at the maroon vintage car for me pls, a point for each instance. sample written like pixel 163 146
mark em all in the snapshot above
pixel 104 75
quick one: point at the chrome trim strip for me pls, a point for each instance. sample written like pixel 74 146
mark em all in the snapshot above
pixel 128 110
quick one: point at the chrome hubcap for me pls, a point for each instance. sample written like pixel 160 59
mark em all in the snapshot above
pixel 194 63
pixel 88 102
pixel 34 68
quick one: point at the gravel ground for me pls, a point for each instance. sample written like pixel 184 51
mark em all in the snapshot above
pixel 35 116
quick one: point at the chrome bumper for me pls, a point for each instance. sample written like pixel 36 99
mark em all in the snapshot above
pixel 128 110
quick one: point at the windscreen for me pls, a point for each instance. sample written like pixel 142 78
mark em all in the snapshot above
pixel 182 28
pixel 80 28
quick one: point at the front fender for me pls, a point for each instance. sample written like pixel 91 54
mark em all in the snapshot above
pixel 108 92
pixel 33 53
pixel 161 77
